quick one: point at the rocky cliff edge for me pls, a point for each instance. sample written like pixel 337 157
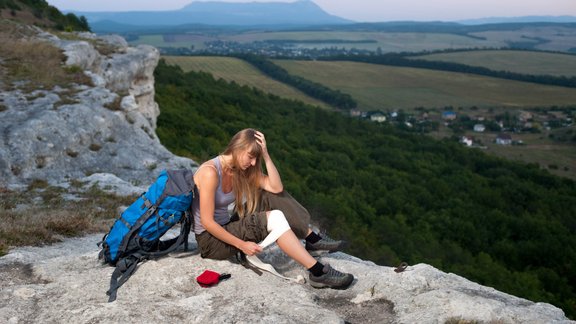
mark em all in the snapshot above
pixel 62 134
pixel 65 283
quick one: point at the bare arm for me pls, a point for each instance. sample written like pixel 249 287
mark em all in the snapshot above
pixel 207 182
pixel 272 181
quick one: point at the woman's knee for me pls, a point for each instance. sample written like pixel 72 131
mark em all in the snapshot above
pixel 277 221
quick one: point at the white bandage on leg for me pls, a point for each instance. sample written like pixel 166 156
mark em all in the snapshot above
pixel 277 225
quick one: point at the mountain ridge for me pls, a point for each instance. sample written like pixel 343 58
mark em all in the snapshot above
pixel 271 15
pixel 224 13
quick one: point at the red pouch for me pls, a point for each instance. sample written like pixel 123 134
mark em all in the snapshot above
pixel 210 278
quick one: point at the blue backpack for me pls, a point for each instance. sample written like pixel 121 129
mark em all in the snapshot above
pixel 136 235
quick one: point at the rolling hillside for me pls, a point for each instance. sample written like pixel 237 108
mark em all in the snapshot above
pixel 377 87
pixel 233 69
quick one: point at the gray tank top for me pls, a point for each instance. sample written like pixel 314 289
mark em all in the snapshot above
pixel 222 201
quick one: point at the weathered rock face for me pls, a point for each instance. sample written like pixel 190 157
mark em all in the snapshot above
pixel 65 283
pixel 62 134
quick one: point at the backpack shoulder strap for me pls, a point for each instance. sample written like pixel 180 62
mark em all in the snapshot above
pixel 136 227
pixel 125 268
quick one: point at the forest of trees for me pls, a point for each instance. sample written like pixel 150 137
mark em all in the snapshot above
pixel 395 196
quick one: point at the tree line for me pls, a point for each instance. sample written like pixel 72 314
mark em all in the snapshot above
pixel 335 98
pixel 394 195
pixel 406 60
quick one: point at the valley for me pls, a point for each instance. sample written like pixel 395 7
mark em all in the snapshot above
pixel 422 96
pixel 374 38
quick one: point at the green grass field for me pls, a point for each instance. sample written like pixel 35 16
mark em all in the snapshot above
pixel 547 38
pixel 536 63
pixel 378 87
pixel 241 72
pixel 388 88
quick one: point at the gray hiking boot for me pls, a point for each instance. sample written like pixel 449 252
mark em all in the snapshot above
pixel 331 278
pixel 326 244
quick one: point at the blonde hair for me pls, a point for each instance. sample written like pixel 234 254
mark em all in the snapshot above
pixel 245 183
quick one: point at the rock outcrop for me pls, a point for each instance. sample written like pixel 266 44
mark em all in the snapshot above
pixel 108 127
pixel 65 283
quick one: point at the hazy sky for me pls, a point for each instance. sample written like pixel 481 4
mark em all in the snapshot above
pixel 365 10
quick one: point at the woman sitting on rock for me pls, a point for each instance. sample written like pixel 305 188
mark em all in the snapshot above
pixel 264 210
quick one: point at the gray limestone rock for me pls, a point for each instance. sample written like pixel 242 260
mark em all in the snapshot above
pixel 66 283
pixel 63 134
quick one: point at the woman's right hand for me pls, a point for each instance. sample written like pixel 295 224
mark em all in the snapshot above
pixel 250 248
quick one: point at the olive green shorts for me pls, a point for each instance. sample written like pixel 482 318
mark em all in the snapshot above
pixel 250 228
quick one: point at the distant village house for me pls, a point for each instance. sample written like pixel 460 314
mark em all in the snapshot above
pixel 504 139
pixel 466 141
pixel 448 115
pixel 378 117
pixel 525 116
